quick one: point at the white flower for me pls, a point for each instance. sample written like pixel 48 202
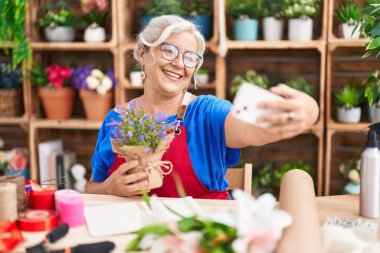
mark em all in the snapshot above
pixel 106 83
pixel 97 73
pixel 92 82
pixel 259 224
pixel 354 176
pixel 101 90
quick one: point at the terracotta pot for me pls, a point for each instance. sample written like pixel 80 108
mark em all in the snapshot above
pixel 96 106
pixel 57 104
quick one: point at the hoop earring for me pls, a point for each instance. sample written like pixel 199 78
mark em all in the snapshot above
pixel 142 74
pixel 185 89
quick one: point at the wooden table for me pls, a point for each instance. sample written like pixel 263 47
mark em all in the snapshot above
pixel 332 206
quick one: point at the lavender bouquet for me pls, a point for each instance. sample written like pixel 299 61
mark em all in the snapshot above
pixel 143 137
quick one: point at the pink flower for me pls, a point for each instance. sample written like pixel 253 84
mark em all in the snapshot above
pixel 88 5
pixel 57 75
pixel 102 4
pixel 17 161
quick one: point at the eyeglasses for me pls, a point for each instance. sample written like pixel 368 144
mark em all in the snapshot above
pixel 170 52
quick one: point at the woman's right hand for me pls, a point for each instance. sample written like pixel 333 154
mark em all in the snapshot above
pixel 122 183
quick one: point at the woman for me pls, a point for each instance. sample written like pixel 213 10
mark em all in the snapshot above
pixel 170 51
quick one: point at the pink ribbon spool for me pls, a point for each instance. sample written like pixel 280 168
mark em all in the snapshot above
pixel 61 194
pixel 71 211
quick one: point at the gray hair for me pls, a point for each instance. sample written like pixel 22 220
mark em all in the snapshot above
pixel 160 28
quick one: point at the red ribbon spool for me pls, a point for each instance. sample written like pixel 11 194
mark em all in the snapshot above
pixel 38 220
pixel 12 235
pixel 42 199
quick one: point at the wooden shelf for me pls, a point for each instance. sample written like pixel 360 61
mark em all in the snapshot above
pixel 334 43
pixel 343 127
pixel 72 46
pixel 13 121
pixel 130 45
pixel 66 124
pixel 282 44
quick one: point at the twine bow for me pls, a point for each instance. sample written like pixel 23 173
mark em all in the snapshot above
pixel 158 165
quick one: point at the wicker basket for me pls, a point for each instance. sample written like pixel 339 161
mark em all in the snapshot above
pixel 10 102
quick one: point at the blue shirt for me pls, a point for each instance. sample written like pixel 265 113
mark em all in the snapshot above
pixel 209 155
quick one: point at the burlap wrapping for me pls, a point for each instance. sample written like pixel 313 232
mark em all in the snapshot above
pixel 150 162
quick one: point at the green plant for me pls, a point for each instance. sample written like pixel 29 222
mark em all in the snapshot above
pixel 136 68
pixel 160 7
pixel 349 96
pixel 262 179
pixel 278 174
pixel 9 78
pixel 57 15
pixel 37 76
pixel 272 8
pixel 238 9
pixel 251 77
pixel 302 84
pixel 300 8
pixel 371 27
pixel 202 70
pixel 351 170
pixel 348 12
pixel 12 28
pixel 368 2
pixel 372 87
pixel 198 8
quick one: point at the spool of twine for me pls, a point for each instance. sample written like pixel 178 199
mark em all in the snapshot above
pixel 19 181
pixel 8 201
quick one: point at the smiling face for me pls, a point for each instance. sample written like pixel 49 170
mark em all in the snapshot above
pixel 168 77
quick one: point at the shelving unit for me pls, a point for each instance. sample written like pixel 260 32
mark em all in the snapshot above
pixel 319 58
pixel 344 64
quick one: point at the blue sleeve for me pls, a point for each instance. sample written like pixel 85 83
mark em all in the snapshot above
pixel 103 156
pixel 208 151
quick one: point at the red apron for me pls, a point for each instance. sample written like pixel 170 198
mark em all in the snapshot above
pixel 178 155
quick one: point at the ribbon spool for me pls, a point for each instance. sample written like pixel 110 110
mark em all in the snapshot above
pixel 71 209
pixel 8 201
pixel 61 194
pixel 38 220
pixel 42 199
pixel 20 183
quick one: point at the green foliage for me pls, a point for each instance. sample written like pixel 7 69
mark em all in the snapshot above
pixel 349 96
pixel 302 84
pixel 351 170
pixel 371 27
pixel 300 8
pixel 136 68
pixel 278 174
pixel 348 12
pixel 272 8
pixel 202 70
pixel 372 87
pixel 37 76
pixel 368 2
pixel 12 28
pixel 198 8
pixel 164 7
pixel 57 15
pixel 251 77
pixel 9 78
pixel 240 8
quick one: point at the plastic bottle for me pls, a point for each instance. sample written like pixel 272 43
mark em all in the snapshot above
pixel 370 175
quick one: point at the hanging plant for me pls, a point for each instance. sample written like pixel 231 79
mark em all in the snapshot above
pixel 12 29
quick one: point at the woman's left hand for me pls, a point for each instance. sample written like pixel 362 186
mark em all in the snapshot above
pixel 300 111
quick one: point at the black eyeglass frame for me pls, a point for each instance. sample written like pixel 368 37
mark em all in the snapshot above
pixel 183 58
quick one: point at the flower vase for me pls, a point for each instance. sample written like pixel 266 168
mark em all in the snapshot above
pixel 59 33
pixel 149 161
pixel 96 106
pixel 94 34
pixel 57 104
pixel 300 29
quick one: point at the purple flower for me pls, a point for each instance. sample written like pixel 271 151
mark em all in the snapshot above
pixel 122 139
pixel 161 133
pixel 151 128
pixel 121 109
pixel 131 123
pixel 111 74
pixel 131 104
pixel 147 149
pixel 79 75
pixel 142 122
pixel 114 123
pixel 160 117
pixel 129 134
pixel 116 133
pixel 141 138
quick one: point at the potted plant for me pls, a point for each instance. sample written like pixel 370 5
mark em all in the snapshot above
pixel 273 23
pixel 370 27
pixel 371 92
pixel 95 90
pixel 58 22
pixel 301 84
pixel 135 76
pixel 54 90
pixel 245 14
pixel 200 13
pixel 10 91
pixel 96 13
pixel 299 13
pixel 251 77
pixel 351 172
pixel 348 100
pixel 14 162
pixel 12 30
pixel 262 179
pixel 349 14
pixel 156 8
pixel 202 76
